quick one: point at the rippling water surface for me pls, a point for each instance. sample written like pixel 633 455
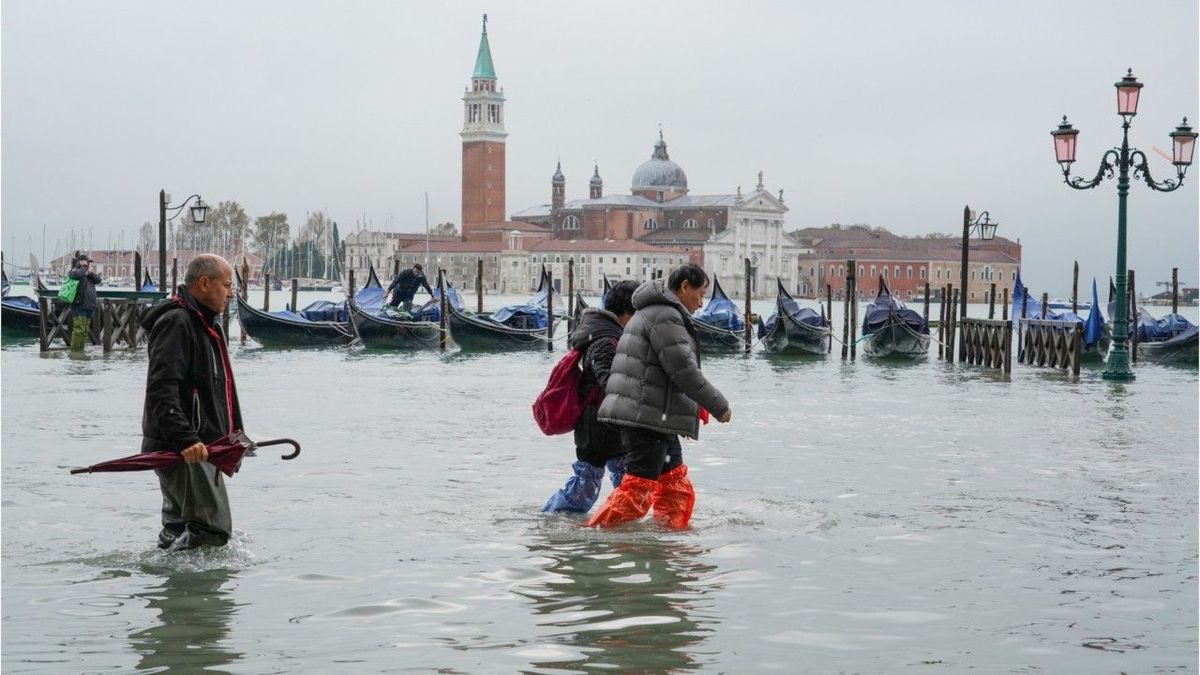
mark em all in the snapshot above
pixel 854 517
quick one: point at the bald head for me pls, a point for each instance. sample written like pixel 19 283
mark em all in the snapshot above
pixel 209 279
pixel 205 265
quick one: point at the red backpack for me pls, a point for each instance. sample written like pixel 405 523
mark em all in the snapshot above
pixel 558 407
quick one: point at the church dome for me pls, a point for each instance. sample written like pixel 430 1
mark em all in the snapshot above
pixel 659 171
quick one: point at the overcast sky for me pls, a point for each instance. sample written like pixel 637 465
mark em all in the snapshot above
pixel 889 113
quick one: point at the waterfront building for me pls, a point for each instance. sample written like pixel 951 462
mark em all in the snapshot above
pixel 367 248
pixel 116 267
pixel 904 263
pixel 512 266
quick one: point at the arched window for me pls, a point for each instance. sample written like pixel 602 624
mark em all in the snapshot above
pixel 650 224
pixel 910 271
pixel 690 223
pixel 570 223
pixel 885 272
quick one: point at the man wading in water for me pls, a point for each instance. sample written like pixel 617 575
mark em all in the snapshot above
pixel 190 401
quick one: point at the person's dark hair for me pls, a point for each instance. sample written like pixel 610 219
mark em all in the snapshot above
pixel 417 267
pixel 689 272
pixel 620 299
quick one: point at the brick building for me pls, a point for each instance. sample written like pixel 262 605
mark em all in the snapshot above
pixel 904 263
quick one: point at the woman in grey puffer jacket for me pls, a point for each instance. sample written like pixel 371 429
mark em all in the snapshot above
pixel 654 394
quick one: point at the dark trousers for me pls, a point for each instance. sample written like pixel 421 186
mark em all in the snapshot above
pixel 649 454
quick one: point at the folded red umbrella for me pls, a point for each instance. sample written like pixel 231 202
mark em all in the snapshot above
pixel 225 453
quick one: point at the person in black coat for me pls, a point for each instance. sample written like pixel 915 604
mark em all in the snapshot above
pixel 405 286
pixel 83 307
pixel 596 443
pixel 191 400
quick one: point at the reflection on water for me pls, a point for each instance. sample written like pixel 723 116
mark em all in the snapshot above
pixel 194 610
pixel 625 605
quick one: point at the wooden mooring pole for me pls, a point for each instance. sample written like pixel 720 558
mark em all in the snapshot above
pixel 245 291
pixel 549 311
pixel 443 320
pixel 1004 307
pixel 479 286
pixel 570 295
pixel 853 312
pixel 137 271
pixel 295 287
pixel 1045 304
pixel 1075 289
pixel 1133 344
pixel 829 315
pixel 942 324
pixel 266 291
pixel 1174 290
pixel 746 335
pixel 350 281
pixel 992 302
pixel 951 314
pixel 846 314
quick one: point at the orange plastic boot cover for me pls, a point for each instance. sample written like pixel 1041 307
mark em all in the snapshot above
pixel 630 501
pixel 674 498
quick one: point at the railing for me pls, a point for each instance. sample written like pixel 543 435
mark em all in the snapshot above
pixel 116 320
pixel 988 343
pixel 1053 344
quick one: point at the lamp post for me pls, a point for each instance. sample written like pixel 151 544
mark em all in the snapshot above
pixel 987 232
pixel 199 211
pixel 1121 160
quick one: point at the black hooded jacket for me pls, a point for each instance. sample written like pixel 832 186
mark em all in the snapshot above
pixel 190 393
pixel 596 335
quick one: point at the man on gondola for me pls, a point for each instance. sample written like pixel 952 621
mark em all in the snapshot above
pixel 405 286
pixel 190 401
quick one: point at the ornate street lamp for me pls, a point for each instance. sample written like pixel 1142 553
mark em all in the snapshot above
pixel 1121 160
pixel 987 232
pixel 199 211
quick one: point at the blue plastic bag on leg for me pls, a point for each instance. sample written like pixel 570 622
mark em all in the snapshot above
pixel 580 492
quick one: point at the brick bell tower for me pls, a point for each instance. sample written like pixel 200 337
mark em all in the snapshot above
pixel 483 145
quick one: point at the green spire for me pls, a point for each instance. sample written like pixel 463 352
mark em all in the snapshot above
pixel 483 61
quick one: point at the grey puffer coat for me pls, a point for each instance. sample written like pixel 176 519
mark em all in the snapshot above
pixel 656 382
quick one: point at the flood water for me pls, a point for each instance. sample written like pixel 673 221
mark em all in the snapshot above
pixel 853 517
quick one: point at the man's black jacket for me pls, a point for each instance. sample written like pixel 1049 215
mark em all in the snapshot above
pixel 406 284
pixel 190 393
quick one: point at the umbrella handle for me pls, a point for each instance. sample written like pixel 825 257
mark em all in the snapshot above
pixel 281 441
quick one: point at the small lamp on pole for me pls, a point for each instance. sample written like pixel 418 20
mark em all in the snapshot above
pixel 199 211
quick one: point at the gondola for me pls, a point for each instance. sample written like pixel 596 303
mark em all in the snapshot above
pixel 514 326
pixel 581 304
pixel 890 328
pixel 1172 339
pixel 718 325
pixel 1097 334
pixel 793 328
pixel 20 313
pixel 375 328
pixel 321 323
